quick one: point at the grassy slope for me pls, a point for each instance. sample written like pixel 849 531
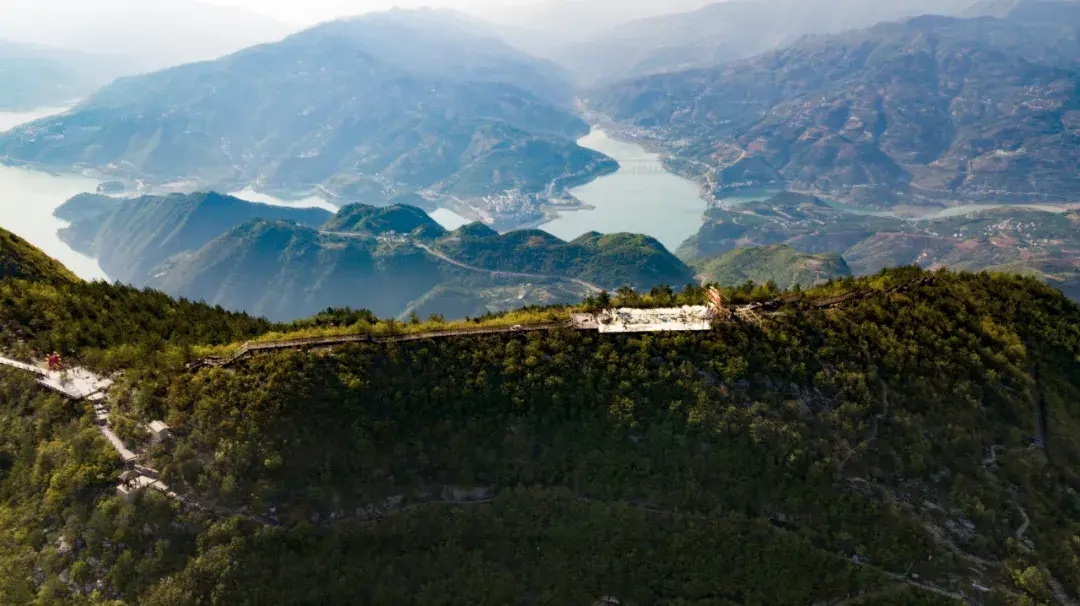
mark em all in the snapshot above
pixel 18 259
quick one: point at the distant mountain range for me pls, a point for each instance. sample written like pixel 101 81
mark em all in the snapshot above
pixel 363 109
pixel 722 32
pixel 926 109
pixel 545 27
pixel 407 110
pixel 287 263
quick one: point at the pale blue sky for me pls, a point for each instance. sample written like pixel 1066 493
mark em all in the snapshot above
pixel 168 32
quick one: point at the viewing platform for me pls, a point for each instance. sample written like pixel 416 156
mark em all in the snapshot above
pixel 76 383
pixel 667 319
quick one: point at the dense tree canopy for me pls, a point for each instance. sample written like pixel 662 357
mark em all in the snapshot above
pixel 866 452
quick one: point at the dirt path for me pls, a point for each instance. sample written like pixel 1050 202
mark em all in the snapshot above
pixel 1056 589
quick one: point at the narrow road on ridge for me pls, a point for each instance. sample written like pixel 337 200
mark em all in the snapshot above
pixel 493 272
pixel 510 274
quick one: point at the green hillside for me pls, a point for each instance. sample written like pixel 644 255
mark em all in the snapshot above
pixel 19 259
pixel 288 263
pixel 782 265
pixel 111 325
pixel 287 271
pixel 137 234
pixel 131 238
pixel 812 457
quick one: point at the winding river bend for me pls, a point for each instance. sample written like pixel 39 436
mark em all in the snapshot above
pixel 641 197
pixel 644 197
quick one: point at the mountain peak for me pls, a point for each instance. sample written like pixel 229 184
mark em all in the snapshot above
pixel 372 220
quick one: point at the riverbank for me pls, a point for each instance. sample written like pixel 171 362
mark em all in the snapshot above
pixel 28 198
pixel 925 206
pixel 27 201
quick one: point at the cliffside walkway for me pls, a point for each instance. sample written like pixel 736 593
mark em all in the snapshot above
pixel 75 383
pixel 79 384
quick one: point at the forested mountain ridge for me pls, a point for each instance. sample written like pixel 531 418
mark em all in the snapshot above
pixel 376 221
pixel 131 237
pixel 288 263
pixel 364 109
pixel 933 108
pixel 609 260
pixel 812 456
pixel 286 271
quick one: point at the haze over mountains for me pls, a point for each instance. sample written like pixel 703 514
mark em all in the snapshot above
pixel 362 110
pixel 724 32
pixel 147 35
pixel 548 28
pixel 55 52
pixel 36 76
pixel 435 109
